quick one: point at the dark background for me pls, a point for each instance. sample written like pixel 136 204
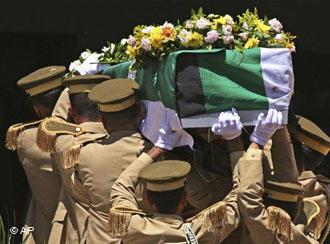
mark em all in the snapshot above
pixel 36 33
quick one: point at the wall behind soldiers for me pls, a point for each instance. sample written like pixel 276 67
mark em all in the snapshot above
pixel 36 33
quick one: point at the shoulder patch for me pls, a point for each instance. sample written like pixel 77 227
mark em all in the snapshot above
pixel 213 217
pixel 14 131
pixel 119 219
pixel 74 151
pixel 52 127
pixel 279 222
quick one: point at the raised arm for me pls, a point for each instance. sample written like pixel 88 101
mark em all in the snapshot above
pixel 122 193
pixel 230 128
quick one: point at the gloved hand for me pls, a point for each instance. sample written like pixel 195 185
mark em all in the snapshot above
pixel 229 125
pixel 167 138
pixel 266 127
pixel 91 65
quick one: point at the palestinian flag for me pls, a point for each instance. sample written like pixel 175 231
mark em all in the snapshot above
pixel 199 84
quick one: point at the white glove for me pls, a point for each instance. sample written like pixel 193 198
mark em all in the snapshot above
pixel 166 138
pixel 266 127
pixel 229 125
pixel 91 65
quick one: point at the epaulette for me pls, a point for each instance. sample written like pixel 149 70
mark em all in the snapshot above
pixel 213 217
pixel 74 151
pixel 14 131
pixel 309 217
pixel 279 222
pixel 52 127
pixel 119 219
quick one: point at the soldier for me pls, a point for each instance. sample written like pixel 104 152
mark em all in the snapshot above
pixel 165 192
pixel 272 210
pixel 98 161
pixel 44 86
pixel 69 223
pixel 311 147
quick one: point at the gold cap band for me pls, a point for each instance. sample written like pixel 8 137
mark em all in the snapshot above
pixel 313 144
pixel 119 106
pixel 160 186
pixel 33 91
pixel 281 196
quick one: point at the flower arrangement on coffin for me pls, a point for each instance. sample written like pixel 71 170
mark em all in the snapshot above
pixel 201 31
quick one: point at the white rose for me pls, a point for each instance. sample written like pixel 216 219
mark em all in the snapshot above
pixel 275 24
pixel 189 24
pixel 147 29
pixel 202 23
pixel 227 29
pixel 183 36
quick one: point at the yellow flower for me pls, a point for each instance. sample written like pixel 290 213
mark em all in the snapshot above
pixel 252 42
pixel 224 20
pixel 261 27
pixel 156 37
pixel 291 46
pixel 169 34
pixel 195 40
pixel 131 51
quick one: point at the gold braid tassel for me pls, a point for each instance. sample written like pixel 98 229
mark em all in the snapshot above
pixel 72 156
pixel 214 217
pixel 118 222
pixel 46 139
pixel 279 222
pixel 13 133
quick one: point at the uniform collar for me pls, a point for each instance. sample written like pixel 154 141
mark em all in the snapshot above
pixel 172 219
pixel 93 127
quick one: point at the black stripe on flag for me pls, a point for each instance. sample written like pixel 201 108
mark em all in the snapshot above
pixel 189 91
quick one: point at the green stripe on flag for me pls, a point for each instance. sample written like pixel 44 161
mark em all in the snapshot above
pixel 231 79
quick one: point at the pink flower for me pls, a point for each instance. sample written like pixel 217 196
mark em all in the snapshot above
pixel 227 29
pixel 145 44
pixel 275 24
pixel 212 36
pixel 202 23
pixel 279 37
pixel 228 39
pixel 131 40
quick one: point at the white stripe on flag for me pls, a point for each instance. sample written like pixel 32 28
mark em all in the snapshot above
pixel 277 73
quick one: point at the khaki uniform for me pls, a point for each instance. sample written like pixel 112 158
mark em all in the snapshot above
pixel 256 217
pixel 44 183
pixel 70 220
pixel 317 188
pixel 142 227
pixel 99 167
